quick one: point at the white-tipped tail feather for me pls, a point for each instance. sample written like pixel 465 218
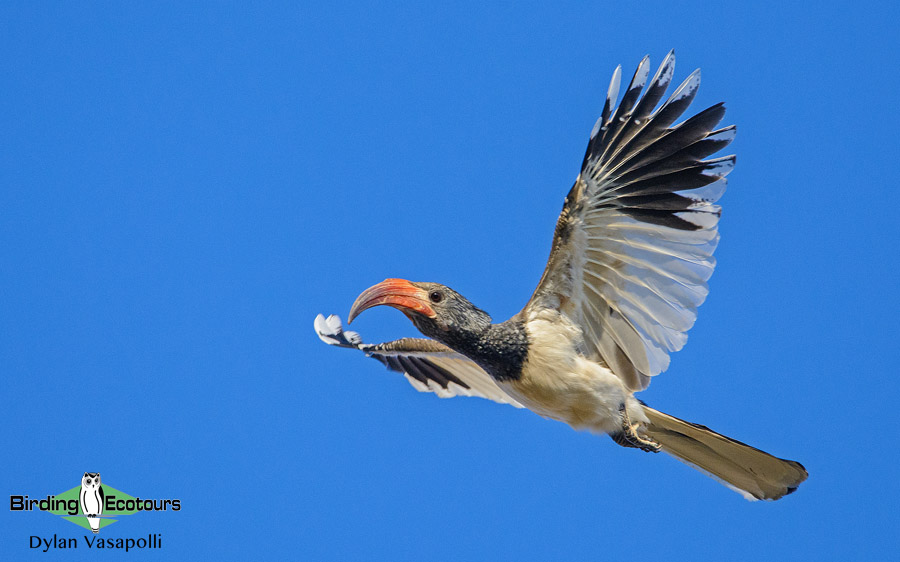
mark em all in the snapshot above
pixel 754 474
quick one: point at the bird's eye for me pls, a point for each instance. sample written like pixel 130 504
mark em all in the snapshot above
pixel 436 296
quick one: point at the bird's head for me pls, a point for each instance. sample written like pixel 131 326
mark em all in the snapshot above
pixel 437 311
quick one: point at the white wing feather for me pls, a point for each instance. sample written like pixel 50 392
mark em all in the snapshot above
pixel 634 244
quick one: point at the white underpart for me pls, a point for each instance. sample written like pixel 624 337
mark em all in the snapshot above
pixel 559 383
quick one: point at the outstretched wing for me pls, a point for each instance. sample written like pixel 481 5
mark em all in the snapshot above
pixel 428 365
pixel 634 242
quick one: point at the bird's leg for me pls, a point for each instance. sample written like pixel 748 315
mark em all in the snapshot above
pixel 629 437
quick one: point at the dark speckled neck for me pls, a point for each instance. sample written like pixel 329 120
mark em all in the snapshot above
pixel 500 350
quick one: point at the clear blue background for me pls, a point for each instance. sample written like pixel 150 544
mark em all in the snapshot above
pixel 184 187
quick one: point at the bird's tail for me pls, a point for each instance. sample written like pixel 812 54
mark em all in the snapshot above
pixel 752 473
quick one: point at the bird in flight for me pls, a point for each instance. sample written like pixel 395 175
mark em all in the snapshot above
pixel 629 264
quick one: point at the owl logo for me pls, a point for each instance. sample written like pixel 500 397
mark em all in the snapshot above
pixel 92 499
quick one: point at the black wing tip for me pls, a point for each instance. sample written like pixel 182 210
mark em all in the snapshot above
pixel 661 218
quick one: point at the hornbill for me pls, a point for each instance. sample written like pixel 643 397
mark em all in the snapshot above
pixel 629 264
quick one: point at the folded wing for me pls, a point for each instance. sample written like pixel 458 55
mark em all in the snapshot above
pixel 634 244
pixel 428 365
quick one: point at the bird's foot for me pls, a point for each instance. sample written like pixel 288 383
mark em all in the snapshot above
pixel 629 436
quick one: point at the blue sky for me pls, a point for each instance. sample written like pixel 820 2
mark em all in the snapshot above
pixel 184 187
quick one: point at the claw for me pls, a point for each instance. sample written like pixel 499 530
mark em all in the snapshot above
pixel 629 436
